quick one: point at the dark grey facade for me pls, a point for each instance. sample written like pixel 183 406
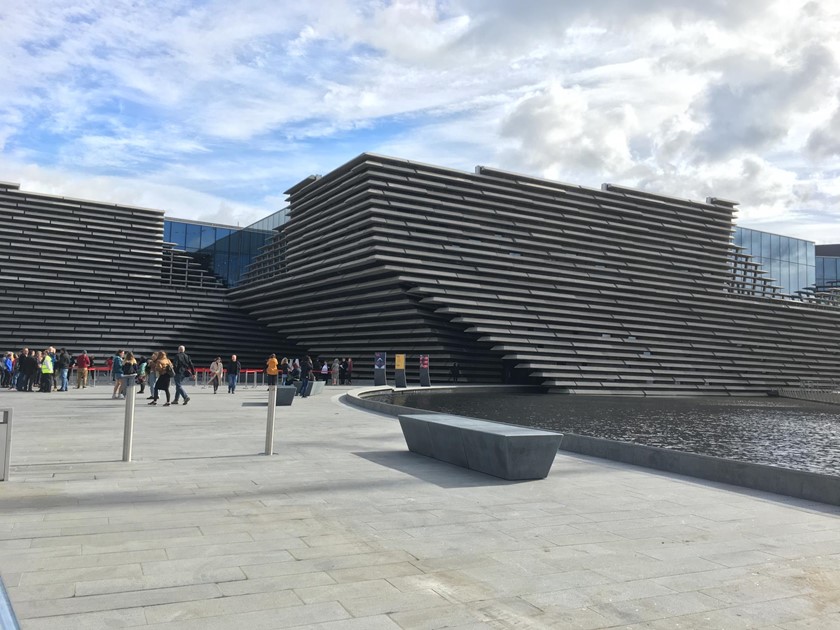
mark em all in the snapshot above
pixel 516 278
pixel 519 278
pixel 98 277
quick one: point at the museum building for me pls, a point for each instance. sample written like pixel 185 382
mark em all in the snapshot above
pixel 517 278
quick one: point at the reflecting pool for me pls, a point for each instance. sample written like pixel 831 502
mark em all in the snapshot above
pixel 776 431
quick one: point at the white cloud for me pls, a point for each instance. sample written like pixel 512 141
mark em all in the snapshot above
pixel 237 100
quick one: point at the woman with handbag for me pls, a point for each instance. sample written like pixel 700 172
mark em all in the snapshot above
pixel 165 372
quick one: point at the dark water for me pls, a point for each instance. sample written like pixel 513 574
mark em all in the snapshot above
pixel 776 431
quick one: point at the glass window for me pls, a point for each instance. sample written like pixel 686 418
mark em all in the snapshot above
pixel 766 251
pixel 235 243
pixel 776 271
pixel 812 253
pixel 167 231
pixel 208 236
pixel 775 247
pixel 738 237
pixel 804 280
pixel 220 266
pixel 178 234
pixel 222 244
pixel 193 237
pixel 784 248
pixel 756 244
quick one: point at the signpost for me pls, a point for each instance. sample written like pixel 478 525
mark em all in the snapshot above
pixel 379 375
pixel 425 380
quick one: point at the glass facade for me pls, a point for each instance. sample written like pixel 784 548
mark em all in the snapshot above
pixel 791 262
pixel 272 221
pixel 222 249
pixel 828 271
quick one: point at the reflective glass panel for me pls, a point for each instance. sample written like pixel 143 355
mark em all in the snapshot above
pixel 193 237
pixel 766 248
pixel 208 236
pixel 784 248
pixel 178 234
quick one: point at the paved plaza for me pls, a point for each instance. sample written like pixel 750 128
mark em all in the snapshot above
pixel 344 529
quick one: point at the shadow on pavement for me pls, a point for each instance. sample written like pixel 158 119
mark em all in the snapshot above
pixel 432 470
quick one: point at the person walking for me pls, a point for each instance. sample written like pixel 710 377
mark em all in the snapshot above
pixel 165 372
pixel 184 369
pixel 325 372
pixel 216 371
pixel 152 373
pixel 233 369
pixel 349 371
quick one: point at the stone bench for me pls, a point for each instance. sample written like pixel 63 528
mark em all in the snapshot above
pixel 497 449
pixel 285 395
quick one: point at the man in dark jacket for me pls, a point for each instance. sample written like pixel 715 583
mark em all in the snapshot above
pixel 183 366
pixel 32 370
pixel 62 366
pixel 233 368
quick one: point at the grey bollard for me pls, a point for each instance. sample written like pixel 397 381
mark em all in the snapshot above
pixel 128 427
pixel 269 423
pixel 5 443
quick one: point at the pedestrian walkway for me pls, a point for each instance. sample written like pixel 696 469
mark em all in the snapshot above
pixel 344 529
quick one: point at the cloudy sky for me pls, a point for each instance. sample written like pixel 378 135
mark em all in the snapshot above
pixel 210 110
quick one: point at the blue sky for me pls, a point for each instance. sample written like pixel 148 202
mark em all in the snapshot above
pixel 210 110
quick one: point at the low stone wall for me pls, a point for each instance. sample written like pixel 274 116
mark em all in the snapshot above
pixel 792 483
pixel 816 395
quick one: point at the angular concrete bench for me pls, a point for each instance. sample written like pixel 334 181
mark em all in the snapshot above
pixel 314 387
pixel 497 449
pixel 285 395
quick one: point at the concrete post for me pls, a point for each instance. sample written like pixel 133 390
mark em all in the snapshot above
pixel 128 430
pixel 269 423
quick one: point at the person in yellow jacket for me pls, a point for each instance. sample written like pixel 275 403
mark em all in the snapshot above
pixel 46 372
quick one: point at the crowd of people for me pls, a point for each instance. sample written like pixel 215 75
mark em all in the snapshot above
pixel 49 369
pixel 39 370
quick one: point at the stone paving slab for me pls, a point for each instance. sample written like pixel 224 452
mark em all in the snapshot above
pixel 344 529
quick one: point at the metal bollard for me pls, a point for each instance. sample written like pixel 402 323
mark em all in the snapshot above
pixel 269 423
pixel 5 443
pixel 128 429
